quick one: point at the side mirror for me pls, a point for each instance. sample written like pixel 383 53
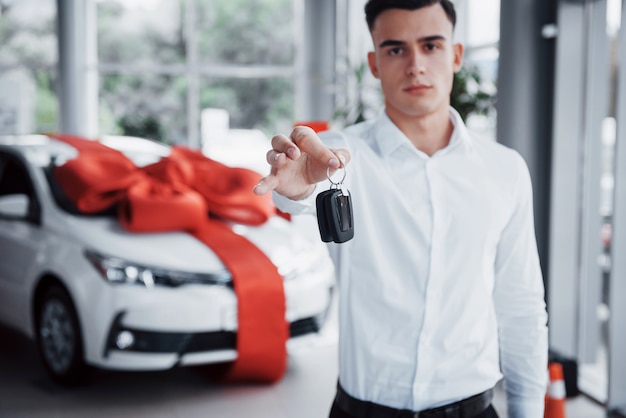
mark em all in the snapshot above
pixel 14 206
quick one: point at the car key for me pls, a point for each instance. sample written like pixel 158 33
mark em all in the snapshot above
pixel 334 213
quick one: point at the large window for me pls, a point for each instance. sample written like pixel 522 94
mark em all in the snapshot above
pixel 28 59
pixel 162 62
pixel 480 22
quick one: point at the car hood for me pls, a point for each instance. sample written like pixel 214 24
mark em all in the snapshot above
pixel 282 241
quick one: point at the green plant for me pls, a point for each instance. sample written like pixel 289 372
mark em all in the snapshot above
pixel 471 94
pixel 143 127
pixel 367 97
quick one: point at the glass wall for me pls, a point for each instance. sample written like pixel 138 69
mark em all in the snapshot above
pixel 162 62
pixel 587 280
pixel 28 60
pixel 481 34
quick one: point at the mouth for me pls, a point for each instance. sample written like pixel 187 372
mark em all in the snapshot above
pixel 416 89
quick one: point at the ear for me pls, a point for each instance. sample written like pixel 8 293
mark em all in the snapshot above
pixel 458 50
pixel 371 60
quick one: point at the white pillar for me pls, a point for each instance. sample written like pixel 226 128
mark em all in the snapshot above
pixel 316 80
pixel 78 75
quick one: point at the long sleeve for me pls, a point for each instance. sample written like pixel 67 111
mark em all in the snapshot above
pixel 521 309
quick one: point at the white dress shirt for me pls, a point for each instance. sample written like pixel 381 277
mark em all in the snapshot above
pixel 441 292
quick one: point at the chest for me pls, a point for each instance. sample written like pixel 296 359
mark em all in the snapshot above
pixel 459 194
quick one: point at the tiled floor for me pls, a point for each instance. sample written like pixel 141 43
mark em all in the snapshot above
pixel 305 392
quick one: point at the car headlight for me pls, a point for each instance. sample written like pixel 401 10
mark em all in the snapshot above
pixel 118 271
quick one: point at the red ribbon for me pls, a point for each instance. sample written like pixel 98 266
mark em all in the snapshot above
pixel 178 193
pixel 317 125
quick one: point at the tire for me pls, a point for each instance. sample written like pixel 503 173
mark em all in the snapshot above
pixel 59 338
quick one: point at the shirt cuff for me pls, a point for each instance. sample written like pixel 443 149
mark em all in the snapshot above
pixel 295 207
pixel 525 409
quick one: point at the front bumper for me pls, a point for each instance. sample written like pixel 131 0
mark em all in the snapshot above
pixel 142 349
pixel 157 329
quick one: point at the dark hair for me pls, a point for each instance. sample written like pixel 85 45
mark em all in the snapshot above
pixel 374 8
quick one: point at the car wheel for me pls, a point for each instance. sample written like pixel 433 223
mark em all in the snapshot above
pixel 59 338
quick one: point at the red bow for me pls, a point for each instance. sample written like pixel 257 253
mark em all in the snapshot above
pixel 177 193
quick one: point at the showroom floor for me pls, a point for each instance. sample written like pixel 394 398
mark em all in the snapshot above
pixel 306 391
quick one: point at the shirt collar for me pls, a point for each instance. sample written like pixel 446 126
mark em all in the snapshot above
pixel 390 137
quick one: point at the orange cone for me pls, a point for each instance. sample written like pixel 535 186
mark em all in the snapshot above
pixel 555 397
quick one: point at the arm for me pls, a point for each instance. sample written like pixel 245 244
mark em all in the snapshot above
pixel 520 307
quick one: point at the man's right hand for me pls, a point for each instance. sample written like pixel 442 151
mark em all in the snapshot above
pixel 298 162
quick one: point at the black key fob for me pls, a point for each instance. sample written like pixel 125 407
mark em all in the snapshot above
pixel 334 215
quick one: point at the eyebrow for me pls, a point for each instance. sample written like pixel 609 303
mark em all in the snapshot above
pixel 426 39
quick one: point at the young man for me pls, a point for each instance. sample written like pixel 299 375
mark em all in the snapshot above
pixel 441 293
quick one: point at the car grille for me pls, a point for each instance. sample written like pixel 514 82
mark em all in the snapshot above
pixel 304 326
pixel 182 343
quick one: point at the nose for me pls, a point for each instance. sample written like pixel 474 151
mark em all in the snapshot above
pixel 415 65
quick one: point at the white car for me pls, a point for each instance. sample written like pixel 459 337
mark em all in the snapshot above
pixel 72 281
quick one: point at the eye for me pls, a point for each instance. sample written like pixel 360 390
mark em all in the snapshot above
pixel 430 47
pixel 395 51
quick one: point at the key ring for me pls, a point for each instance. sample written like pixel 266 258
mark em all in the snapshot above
pixel 340 182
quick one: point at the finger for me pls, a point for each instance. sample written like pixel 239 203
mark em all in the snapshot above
pixel 275 159
pixel 343 156
pixel 284 145
pixel 307 141
pixel 266 184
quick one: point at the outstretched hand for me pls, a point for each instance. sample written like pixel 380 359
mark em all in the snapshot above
pixel 298 162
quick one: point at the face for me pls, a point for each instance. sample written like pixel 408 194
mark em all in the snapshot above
pixel 415 60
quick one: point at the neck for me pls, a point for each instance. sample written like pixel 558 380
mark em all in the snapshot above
pixel 428 133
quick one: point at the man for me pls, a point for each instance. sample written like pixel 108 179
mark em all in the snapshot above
pixel 441 293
